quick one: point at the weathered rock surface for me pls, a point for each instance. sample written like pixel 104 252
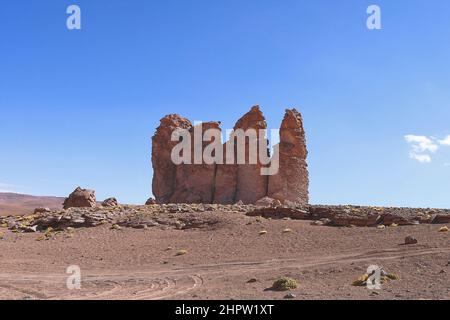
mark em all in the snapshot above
pixel 110 202
pixel 194 183
pixel 251 185
pixel 164 170
pixel 80 198
pixel 226 179
pixel 410 240
pixel 185 216
pixel 150 201
pixel 268 202
pixel 291 182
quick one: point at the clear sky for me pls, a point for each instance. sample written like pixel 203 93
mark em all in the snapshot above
pixel 79 107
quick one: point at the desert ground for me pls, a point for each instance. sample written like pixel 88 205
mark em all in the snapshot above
pixel 226 257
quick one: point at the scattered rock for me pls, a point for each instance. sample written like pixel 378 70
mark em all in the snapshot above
pixel 252 280
pixel 268 202
pixel 150 201
pixel 410 240
pixel 441 218
pixel 110 202
pixel 42 210
pixel 443 229
pixel 297 213
pixel 80 198
pixel 290 296
pixel 181 252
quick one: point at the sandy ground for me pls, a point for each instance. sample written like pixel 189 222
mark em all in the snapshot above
pixel 220 261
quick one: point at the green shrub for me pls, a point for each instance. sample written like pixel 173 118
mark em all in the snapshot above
pixel 284 284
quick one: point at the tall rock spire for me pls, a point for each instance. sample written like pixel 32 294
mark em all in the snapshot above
pixel 250 184
pixel 164 170
pixel 291 182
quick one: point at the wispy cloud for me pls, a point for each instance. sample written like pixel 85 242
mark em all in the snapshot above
pixel 421 147
pixel 421 143
pixel 445 141
pixel 422 158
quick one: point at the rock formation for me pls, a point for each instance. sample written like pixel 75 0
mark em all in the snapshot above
pixel 110 202
pixel 80 198
pixel 164 170
pixel 251 185
pixel 228 183
pixel 226 180
pixel 291 182
pixel 194 183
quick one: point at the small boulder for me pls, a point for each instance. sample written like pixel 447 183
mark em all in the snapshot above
pixel 268 202
pixel 80 198
pixel 410 240
pixel 110 202
pixel 150 201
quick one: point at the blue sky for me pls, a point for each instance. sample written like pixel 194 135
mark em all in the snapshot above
pixel 79 107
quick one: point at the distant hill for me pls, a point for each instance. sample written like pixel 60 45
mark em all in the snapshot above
pixel 17 204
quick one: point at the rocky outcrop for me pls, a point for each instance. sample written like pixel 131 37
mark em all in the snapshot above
pixel 240 179
pixel 250 184
pixel 164 170
pixel 291 182
pixel 226 179
pixel 194 183
pixel 80 198
pixel 110 202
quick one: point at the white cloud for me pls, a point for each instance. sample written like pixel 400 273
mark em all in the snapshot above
pixel 422 158
pixel 422 147
pixel 421 144
pixel 445 141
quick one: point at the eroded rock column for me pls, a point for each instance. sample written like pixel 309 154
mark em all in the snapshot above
pixel 291 182
pixel 164 170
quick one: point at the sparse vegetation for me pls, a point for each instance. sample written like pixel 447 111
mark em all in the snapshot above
pixel 392 276
pixel 284 284
pixel 361 281
pixel 116 227
pixel 181 252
